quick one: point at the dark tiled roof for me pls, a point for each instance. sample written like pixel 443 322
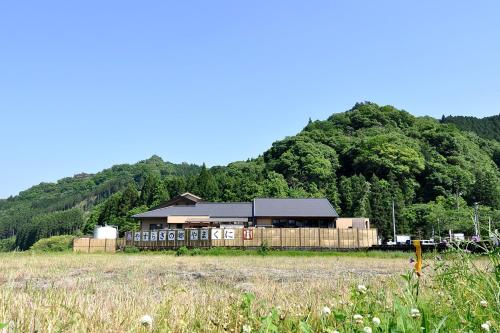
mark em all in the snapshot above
pixel 259 208
pixel 293 208
pixel 212 209
pixel 193 199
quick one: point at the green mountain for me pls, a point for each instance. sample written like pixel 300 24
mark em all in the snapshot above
pixel 361 160
pixel 64 207
pixel 487 127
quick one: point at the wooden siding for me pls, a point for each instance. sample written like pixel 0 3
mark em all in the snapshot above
pixel 314 238
pixel 90 245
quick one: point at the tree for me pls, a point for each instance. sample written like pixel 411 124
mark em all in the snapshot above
pixel 275 186
pixel 153 191
pixel 128 200
pixel 381 207
pixel 206 184
pixel 175 185
pixel 354 196
pixel 386 153
pixel 486 188
pixel 301 160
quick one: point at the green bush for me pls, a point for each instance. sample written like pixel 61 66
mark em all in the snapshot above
pixel 54 244
pixel 7 244
pixel 195 252
pixel 264 248
pixel 131 249
pixel 182 251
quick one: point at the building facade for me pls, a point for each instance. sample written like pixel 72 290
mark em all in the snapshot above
pixel 189 211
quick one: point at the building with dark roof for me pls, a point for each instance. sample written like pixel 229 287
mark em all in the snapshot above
pixel 189 211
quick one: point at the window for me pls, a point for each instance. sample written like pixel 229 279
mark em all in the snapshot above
pixel 300 223
pixel 155 226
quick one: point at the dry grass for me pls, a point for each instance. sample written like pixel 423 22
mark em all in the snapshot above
pixel 109 293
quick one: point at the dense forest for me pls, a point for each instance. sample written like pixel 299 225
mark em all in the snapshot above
pixel 361 160
pixel 487 127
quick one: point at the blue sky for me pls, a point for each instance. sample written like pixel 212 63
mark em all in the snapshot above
pixel 85 85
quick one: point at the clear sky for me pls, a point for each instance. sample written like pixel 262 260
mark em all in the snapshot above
pixel 88 84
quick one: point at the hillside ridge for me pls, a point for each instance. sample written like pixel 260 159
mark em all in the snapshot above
pixel 361 160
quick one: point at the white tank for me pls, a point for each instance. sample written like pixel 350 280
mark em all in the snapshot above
pixel 105 232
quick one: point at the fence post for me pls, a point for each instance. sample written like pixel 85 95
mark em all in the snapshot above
pixel 88 250
pixel 300 237
pixel 319 237
pixel 209 243
pixel 281 237
pixel 338 239
pixel 105 245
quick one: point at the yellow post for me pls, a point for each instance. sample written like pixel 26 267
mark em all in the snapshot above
pixel 418 253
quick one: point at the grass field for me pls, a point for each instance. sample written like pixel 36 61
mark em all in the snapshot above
pixel 277 293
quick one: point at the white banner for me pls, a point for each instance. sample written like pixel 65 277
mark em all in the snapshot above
pixel 162 235
pixel 171 235
pixel 194 234
pixel 145 236
pixel 216 234
pixel 204 234
pixel 181 235
pixel 228 233
pixel 154 236
pixel 137 236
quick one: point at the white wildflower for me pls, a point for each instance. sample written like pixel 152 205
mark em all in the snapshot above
pixel 486 326
pixel 326 311
pixel 376 321
pixel 367 329
pixel 414 313
pixel 358 318
pixel 484 303
pixel 246 329
pixel 362 288
pixel 146 320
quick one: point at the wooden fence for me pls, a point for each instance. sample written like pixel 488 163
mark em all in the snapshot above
pixel 286 238
pixel 89 245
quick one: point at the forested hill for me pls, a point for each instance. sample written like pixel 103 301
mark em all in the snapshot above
pixel 487 127
pixel 361 160
pixel 64 206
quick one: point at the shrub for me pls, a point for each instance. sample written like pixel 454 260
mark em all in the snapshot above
pixel 54 244
pixel 182 251
pixel 195 252
pixel 7 244
pixel 131 249
pixel 264 248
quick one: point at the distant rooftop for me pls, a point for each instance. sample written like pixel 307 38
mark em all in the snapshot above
pixel 307 207
pixel 260 207
pixel 212 209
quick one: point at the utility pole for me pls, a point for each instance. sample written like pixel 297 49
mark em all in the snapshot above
pixel 393 221
pixel 476 220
